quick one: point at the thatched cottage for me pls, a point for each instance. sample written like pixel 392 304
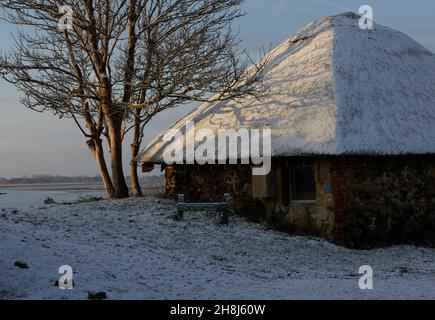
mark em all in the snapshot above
pixel 352 114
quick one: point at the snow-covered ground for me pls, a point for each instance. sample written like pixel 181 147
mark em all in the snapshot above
pixel 132 249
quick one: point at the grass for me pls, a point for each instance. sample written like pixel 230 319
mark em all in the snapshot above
pixel 49 200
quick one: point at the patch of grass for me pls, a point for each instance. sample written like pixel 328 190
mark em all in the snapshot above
pixel 160 195
pixel 49 201
pixel 83 200
pixel 8 295
pixel 402 270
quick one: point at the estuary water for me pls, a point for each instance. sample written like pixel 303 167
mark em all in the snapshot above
pixel 19 196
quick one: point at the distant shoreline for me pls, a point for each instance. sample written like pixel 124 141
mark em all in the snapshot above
pixel 48 183
pixel 80 182
pixel 58 186
pixel 67 186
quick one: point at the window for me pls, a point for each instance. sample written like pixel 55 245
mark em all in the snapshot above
pixel 302 182
pixel 298 181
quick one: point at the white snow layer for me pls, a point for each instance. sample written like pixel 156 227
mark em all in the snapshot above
pixel 335 89
pixel 131 249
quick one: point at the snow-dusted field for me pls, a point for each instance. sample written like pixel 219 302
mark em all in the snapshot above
pixel 131 249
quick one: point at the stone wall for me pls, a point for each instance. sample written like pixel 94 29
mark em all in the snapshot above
pixel 208 183
pixel 384 200
pixel 367 201
pixel 360 201
pixel 317 217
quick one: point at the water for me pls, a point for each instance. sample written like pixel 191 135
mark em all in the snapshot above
pixel 19 196
pixel 25 195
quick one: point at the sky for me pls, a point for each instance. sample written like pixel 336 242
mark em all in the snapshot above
pixel 38 143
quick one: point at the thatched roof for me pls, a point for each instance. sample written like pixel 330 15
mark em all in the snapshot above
pixel 336 89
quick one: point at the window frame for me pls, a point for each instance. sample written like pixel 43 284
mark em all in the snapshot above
pixel 291 167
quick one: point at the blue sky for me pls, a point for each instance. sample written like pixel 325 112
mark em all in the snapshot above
pixel 34 143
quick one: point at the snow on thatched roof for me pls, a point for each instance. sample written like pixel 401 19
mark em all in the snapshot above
pixel 336 89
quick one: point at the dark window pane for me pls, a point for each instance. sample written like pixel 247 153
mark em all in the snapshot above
pixel 303 185
pixel 285 185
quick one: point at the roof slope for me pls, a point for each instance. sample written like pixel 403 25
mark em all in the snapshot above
pixel 336 89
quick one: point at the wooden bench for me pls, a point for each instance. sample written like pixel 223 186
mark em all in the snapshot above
pixel 223 208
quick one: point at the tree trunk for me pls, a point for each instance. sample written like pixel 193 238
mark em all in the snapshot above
pixel 135 146
pixel 134 179
pixel 113 118
pixel 135 185
pixel 114 128
pixel 96 148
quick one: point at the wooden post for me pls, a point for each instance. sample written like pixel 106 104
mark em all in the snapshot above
pixel 180 211
pixel 226 209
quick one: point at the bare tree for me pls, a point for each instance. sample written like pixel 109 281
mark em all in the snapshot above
pixel 121 62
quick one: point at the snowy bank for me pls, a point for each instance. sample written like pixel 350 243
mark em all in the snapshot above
pixel 132 249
